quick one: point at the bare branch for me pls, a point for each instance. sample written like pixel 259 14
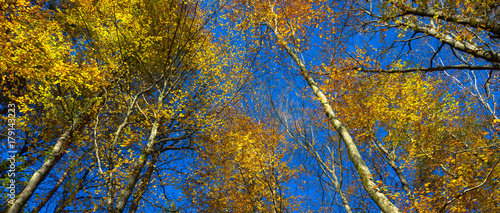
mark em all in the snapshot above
pixel 431 69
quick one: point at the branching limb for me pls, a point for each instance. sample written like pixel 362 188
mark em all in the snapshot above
pixel 443 208
pixel 431 69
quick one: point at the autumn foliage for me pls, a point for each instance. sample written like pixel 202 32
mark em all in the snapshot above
pixel 241 167
pixel 250 106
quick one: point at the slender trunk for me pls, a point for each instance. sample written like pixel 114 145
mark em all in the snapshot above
pixel 55 155
pixel 71 197
pixel 392 163
pixel 58 184
pixel 142 189
pixel 136 173
pixel 329 170
pixel 364 173
pixel 332 176
pixel 109 180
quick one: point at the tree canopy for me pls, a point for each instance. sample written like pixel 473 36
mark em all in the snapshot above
pixel 249 106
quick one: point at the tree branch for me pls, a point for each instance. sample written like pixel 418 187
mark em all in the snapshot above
pixel 442 209
pixel 363 171
pixel 431 69
pixel 479 23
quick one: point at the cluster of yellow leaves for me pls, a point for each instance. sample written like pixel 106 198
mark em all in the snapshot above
pixel 241 168
pixel 459 159
pixel 292 19
pixel 398 103
pixel 435 134
pixel 40 71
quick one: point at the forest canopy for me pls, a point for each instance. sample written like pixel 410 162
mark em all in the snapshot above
pixel 250 106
